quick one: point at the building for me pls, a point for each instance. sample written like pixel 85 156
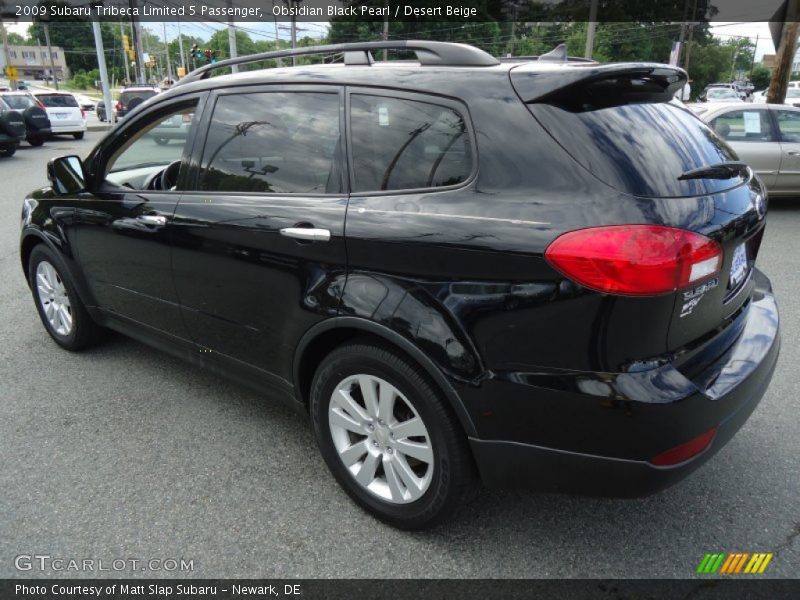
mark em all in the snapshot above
pixel 32 62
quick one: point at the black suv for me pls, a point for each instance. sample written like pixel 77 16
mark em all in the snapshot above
pixel 12 130
pixel 542 272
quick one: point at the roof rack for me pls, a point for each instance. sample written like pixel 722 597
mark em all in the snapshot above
pixel 428 53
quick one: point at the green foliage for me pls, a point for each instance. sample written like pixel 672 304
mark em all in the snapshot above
pixel 16 39
pixel 83 80
pixel 761 77
pixel 710 63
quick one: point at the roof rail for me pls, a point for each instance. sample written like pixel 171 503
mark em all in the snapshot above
pixel 428 53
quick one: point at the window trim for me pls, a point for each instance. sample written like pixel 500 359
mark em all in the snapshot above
pixel 773 126
pixel 104 152
pixel 204 125
pixel 459 107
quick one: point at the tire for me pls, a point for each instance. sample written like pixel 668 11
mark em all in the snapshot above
pixel 78 136
pixel 441 467
pixel 8 151
pixel 83 331
pixel 162 141
pixel 36 140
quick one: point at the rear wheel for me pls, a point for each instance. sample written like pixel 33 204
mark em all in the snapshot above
pixel 36 140
pixel 162 141
pixel 7 151
pixel 387 436
pixel 60 309
pixel 78 136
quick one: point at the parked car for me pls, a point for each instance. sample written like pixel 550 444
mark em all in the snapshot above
pixel 174 128
pixel 37 124
pixel 85 102
pixel 448 265
pixel 766 137
pixel 720 94
pixel 66 116
pixel 133 96
pixel 792 97
pixel 12 130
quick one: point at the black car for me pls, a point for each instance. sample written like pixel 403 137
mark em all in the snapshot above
pixel 131 97
pixel 542 272
pixel 37 124
pixel 12 130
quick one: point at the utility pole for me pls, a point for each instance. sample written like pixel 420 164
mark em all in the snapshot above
pixel 788 42
pixel 137 41
pixel 180 45
pixel 592 26
pixel 5 50
pixel 277 35
pixel 101 63
pixel 166 53
pixel 386 30
pixel 683 31
pixel 124 53
pixel 50 53
pixel 753 61
pixel 691 35
pixel 232 38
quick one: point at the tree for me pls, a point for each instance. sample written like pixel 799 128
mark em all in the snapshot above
pixel 760 77
pixel 16 39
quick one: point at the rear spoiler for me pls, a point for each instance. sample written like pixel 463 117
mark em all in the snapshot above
pixel 579 87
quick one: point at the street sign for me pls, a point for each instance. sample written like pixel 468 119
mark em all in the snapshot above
pixel 11 72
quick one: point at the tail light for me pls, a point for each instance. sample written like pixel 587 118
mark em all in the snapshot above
pixel 83 114
pixel 685 451
pixel 635 260
pixel 120 106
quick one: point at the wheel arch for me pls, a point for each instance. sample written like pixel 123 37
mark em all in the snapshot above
pixel 323 337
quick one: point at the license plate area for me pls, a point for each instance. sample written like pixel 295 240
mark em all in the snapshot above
pixel 739 267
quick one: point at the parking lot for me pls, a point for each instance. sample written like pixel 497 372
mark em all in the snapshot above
pixel 124 452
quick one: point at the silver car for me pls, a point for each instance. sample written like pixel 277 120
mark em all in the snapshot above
pixel 765 136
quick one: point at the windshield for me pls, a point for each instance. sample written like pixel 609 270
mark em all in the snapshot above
pixel 793 93
pixel 144 94
pixel 58 100
pixel 719 93
pixel 19 102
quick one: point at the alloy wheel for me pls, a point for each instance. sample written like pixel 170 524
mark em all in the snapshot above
pixel 53 298
pixel 381 438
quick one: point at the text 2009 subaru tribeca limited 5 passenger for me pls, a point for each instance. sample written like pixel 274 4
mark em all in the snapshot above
pixel 544 271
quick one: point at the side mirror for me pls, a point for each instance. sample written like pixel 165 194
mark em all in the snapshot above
pixel 66 175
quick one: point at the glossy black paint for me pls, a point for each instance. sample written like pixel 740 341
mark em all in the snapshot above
pixel 453 277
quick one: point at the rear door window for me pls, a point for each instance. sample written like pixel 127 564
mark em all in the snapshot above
pixel 788 124
pixel 744 126
pixel 401 144
pixel 273 142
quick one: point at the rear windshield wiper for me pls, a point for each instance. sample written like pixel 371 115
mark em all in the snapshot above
pixel 723 170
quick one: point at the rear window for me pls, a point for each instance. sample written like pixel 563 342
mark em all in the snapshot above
pixel 19 102
pixel 126 97
pixel 640 149
pixel 58 101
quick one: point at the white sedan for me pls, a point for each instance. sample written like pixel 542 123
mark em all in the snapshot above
pixel 65 114
pixel 765 136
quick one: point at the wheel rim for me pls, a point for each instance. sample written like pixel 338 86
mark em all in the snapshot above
pixel 381 439
pixel 53 298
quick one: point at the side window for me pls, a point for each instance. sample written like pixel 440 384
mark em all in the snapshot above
pixel 744 126
pixel 158 143
pixel 789 125
pixel 400 144
pixel 273 142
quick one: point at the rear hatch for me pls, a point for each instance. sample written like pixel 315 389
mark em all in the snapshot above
pixel 62 109
pixel 620 123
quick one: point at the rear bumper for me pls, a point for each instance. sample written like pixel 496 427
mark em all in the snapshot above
pixel 637 428
pixel 74 128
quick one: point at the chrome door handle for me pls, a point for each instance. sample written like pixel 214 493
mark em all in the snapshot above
pixel 152 219
pixel 307 233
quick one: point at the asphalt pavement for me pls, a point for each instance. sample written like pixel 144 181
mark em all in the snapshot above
pixel 123 452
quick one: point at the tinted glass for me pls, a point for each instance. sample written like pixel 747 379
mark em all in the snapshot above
pixel 275 142
pixel 744 126
pixel 641 149
pixel 58 101
pixel 126 97
pixel 404 144
pixel 789 125
pixel 19 102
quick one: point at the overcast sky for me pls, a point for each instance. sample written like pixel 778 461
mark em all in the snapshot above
pixel 266 30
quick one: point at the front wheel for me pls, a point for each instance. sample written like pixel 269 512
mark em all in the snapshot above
pixel 60 309
pixel 8 151
pixel 388 437
pixel 36 140
pixel 162 141
pixel 78 135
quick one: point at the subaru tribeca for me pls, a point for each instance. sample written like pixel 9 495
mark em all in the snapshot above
pixel 541 272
